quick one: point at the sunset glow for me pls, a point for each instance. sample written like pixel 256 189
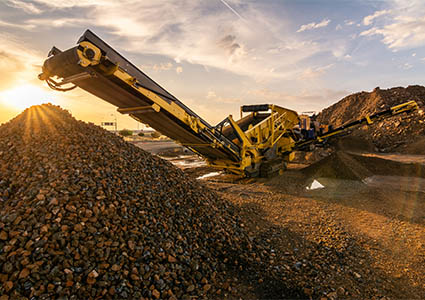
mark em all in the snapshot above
pixel 24 96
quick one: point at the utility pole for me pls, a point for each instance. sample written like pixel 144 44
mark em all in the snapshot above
pixel 116 124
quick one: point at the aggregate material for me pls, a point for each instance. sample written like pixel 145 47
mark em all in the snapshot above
pixel 402 133
pixel 84 215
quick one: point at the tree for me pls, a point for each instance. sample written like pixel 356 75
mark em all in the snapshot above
pixel 155 134
pixel 126 132
pixel 141 134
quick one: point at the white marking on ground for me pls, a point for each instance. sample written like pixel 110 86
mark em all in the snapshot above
pixel 315 185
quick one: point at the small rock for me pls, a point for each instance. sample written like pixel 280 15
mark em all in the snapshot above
pixel 172 259
pixel 115 268
pixel 3 235
pixel 8 285
pixel 207 287
pixel 156 294
pixel 191 288
pixel 54 201
pixel 24 273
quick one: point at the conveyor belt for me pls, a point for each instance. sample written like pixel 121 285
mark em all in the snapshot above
pixel 101 80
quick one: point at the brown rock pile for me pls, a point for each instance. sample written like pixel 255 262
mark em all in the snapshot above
pixel 392 134
pixel 84 214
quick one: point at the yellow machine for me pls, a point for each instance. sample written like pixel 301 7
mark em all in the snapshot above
pixel 258 144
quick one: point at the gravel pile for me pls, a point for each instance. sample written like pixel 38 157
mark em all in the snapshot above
pixel 349 166
pixel 394 134
pixel 84 214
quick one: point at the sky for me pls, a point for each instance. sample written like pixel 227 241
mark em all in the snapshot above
pixel 216 55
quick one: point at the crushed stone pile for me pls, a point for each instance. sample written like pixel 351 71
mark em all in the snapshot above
pixel 85 215
pixel 393 134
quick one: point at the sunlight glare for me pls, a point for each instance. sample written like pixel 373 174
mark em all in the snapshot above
pixel 25 96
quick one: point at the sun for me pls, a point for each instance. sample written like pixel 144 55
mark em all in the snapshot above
pixel 25 96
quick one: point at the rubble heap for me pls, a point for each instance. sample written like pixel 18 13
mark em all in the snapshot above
pixel 83 214
pixel 392 134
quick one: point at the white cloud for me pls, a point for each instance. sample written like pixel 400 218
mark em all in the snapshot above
pixel 314 72
pixel 309 99
pixel 18 26
pixel 20 61
pixel 212 96
pixel 27 7
pixel 61 22
pixel 349 22
pixel 405 32
pixel 407 66
pixel 179 70
pixel 199 32
pixel 313 25
pixel 403 27
pixel 369 19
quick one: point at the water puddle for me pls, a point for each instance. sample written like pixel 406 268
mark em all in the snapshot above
pixel 209 175
pixel 409 184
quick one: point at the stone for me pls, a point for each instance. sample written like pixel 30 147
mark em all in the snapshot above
pixel 172 259
pixel 24 273
pixel 8 285
pixel 190 288
pixel 3 235
pixel 156 294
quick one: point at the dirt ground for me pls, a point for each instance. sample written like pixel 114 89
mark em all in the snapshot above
pixel 351 225
pixel 348 239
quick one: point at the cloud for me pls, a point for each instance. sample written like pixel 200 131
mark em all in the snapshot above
pixel 313 25
pixel 195 31
pixel 212 96
pixel 19 61
pixel 402 28
pixel 407 66
pixel 179 70
pixel 27 7
pixel 314 72
pixel 18 26
pixel 405 32
pixel 338 27
pixel 159 67
pixel 369 19
pixel 349 22
pixel 310 99
pixel 60 22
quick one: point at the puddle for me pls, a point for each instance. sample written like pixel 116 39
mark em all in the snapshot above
pixel 400 183
pixel 403 158
pixel 186 161
pixel 409 184
pixel 189 164
pixel 209 175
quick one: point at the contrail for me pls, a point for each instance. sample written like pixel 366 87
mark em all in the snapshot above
pixel 233 11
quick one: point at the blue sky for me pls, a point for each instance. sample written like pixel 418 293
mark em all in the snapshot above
pixel 215 55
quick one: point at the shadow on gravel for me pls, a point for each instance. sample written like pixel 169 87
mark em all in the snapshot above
pixel 301 269
pixel 380 186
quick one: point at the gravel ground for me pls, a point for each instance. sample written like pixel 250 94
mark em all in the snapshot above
pixel 343 241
